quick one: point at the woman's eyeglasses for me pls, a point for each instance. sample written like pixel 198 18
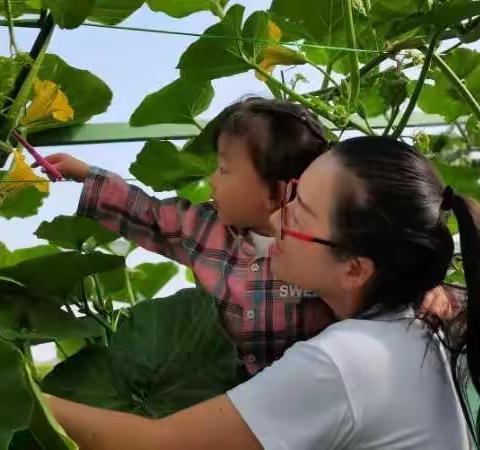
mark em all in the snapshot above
pixel 290 194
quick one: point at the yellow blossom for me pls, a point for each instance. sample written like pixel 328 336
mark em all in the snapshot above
pixel 20 176
pixel 274 32
pixel 48 101
pixel 278 55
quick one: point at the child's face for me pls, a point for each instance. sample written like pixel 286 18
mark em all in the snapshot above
pixel 243 198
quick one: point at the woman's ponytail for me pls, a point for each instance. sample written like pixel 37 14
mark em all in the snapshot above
pixel 467 213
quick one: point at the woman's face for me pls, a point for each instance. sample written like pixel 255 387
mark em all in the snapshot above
pixel 311 265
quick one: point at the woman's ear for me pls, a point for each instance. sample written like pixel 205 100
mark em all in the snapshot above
pixel 359 272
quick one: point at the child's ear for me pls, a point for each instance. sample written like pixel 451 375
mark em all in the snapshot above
pixel 277 198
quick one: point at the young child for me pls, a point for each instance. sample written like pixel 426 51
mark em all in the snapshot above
pixel 261 145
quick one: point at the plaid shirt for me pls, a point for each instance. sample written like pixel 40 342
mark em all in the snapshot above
pixel 263 316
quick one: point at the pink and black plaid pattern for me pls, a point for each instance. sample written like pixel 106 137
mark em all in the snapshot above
pixel 263 316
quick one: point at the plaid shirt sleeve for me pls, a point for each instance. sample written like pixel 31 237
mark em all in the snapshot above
pixel 156 225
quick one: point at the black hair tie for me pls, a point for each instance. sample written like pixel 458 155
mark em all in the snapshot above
pixel 448 198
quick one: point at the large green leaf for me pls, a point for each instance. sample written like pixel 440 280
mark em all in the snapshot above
pixel 87 94
pixel 465 180
pixel 379 93
pixel 9 69
pixel 20 7
pixel 68 14
pixel 183 8
pixel 167 355
pixel 28 314
pixel 178 102
pixel 61 272
pixel 393 19
pixel 10 258
pixel 452 13
pixel 15 394
pixel 196 192
pixel 212 57
pixel 324 23
pixel 24 203
pixel 112 12
pixel 72 232
pixel 321 21
pixel 440 97
pixel 145 281
pixel 161 166
pixel 44 426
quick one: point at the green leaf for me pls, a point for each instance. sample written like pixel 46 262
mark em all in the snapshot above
pixel 68 347
pixel 28 314
pixel 211 57
pixel 61 272
pixel 183 8
pixel 14 392
pixel 452 13
pixel 20 7
pixel 24 203
pixel 196 192
pixel 9 70
pixel 112 12
pixel 68 14
pixel 324 23
pixel 379 93
pixel 8 258
pixel 44 427
pixel 72 232
pixel 463 179
pixel 161 166
pixel 440 97
pixel 167 355
pixel 178 102
pixel 87 94
pixel 256 35
pixel 145 279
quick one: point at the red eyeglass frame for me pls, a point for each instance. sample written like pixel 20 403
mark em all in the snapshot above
pixel 290 194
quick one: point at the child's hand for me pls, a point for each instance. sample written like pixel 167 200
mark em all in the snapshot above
pixel 68 166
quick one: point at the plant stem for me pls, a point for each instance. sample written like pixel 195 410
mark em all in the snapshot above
pixel 418 87
pixel 24 83
pixel 27 352
pixel 326 79
pixel 325 73
pixel 322 111
pixel 354 88
pixel 131 294
pixel 458 85
pixel 11 31
pixel 464 135
pixel 217 9
pixel 393 117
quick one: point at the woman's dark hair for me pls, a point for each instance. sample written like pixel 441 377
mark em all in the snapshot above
pixel 396 216
pixel 283 137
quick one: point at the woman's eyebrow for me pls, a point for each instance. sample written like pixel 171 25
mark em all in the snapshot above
pixel 305 206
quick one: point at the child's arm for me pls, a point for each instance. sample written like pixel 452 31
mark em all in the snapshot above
pixel 156 225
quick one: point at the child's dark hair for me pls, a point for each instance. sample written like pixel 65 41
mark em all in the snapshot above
pixel 396 216
pixel 284 138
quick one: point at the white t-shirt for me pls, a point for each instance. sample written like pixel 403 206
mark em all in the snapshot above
pixel 360 384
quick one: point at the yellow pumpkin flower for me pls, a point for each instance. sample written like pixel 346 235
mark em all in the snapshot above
pixel 276 54
pixel 274 32
pixel 48 101
pixel 20 176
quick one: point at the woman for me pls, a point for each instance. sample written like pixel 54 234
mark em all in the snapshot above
pixel 366 231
